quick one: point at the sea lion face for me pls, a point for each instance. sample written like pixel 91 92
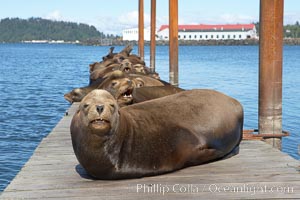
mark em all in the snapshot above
pixel 119 58
pixel 99 112
pixel 121 89
pixel 75 95
pixel 139 68
pixel 138 82
pixel 126 66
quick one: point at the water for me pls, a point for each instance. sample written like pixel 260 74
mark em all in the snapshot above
pixel 34 77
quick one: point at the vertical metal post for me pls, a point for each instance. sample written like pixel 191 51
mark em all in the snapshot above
pixel 141 29
pixel 270 69
pixel 153 38
pixel 173 42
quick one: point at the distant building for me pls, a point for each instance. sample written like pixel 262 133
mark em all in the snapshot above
pixel 198 32
pixel 133 34
pixel 210 32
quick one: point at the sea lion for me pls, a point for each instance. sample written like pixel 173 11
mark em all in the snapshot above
pixel 154 137
pixel 77 94
pixel 103 72
pixel 118 83
pixel 125 66
pixel 148 80
pixel 121 85
pixel 110 54
pixel 141 94
pixel 112 58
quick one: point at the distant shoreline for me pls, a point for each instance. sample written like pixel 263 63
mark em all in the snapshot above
pixel 286 41
pixel 248 42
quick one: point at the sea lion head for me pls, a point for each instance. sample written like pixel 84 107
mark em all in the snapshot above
pixel 110 54
pixel 120 86
pixel 138 82
pixel 126 66
pixel 75 95
pixel 139 68
pixel 98 112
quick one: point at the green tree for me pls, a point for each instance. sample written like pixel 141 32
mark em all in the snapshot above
pixel 17 30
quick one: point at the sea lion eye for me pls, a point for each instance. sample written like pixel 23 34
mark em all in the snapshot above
pixel 85 106
pixel 112 106
pixel 140 84
pixel 113 84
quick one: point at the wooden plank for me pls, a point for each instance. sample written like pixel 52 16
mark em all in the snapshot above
pixel 53 172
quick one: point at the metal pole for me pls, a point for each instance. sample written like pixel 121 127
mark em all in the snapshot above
pixel 173 41
pixel 153 30
pixel 141 29
pixel 270 69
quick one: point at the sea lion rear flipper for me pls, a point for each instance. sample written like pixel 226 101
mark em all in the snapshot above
pixel 234 152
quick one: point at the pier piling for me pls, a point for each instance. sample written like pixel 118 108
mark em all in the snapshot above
pixel 173 39
pixel 270 69
pixel 153 37
pixel 141 29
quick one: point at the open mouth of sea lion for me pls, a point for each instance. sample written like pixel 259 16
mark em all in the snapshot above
pixel 125 98
pixel 99 121
pixel 127 93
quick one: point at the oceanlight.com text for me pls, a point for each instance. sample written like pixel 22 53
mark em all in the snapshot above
pixel 250 189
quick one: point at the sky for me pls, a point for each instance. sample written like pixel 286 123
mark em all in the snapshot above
pixel 112 16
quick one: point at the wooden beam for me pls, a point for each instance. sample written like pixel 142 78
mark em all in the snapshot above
pixel 141 29
pixel 153 38
pixel 173 39
pixel 270 68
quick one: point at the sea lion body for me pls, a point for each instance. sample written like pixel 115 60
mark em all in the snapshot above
pixel 142 94
pixel 117 83
pixel 121 85
pixel 154 137
pixel 77 94
pixel 102 73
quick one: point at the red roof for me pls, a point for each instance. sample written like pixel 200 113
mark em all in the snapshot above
pixel 207 27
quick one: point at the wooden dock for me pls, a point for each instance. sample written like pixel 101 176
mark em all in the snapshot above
pixel 257 172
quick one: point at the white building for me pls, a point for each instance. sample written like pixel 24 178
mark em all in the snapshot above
pixel 198 32
pixel 210 32
pixel 133 34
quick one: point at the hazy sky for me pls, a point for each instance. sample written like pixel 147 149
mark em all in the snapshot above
pixel 112 16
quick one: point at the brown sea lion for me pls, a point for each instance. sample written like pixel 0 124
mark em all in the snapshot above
pixel 77 94
pixel 110 54
pixel 121 85
pixel 154 137
pixel 101 65
pixel 147 80
pixel 141 94
pixel 112 58
pixel 101 73
pixel 118 83
pixel 126 66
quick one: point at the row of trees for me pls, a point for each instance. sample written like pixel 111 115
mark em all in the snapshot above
pixel 290 31
pixel 17 30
